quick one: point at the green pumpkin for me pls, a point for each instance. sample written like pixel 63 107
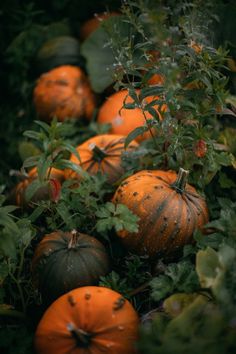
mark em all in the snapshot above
pixel 63 50
pixel 67 260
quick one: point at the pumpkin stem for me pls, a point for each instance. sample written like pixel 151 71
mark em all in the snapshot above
pixel 83 339
pixel 74 239
pixel 98 154
pixel 181 180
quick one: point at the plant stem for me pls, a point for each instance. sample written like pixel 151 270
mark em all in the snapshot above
pixel 98 154
pixel 181 180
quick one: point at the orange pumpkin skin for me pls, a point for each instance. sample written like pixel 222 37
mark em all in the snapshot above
pixel 124 121
pixel 169 210
pixel 64 92
pixel 44 193
pixel 88 320
pixel 102 153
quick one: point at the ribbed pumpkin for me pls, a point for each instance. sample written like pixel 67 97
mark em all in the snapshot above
pixel 88 320
pixel 51 190
pixel 62 50
pixel 169 210
pixel 64 92
pixel 123 121
pixel 102 153
pixel 67 260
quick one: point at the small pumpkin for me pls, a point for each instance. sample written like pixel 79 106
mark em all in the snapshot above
pixel 62 50
pixel 64 92
pixel 51 189
pixel 123 121
pixel 170 210
pixel 102 153
pixel 88 320
pixel 66 260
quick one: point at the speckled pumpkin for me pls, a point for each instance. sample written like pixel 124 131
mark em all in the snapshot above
pixel 64 92
pixel 51 190
pixel 124 121
pixel 88 320
pixel 169 210
pixel 67 260
pixel 102 153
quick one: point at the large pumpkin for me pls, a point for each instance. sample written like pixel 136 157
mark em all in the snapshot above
pixel 64 92
pixel 66 260
pixel 50 190
pixel 62 50
pixel 88 320
pixel 123 121
pixel 169 210
pixel 102 153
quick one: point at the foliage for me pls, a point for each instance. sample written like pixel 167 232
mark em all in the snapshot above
pixel 190 45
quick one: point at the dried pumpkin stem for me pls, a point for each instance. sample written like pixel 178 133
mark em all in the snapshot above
pixel 74 239
pixel 98 154
pixel 181 181
pixel 83 339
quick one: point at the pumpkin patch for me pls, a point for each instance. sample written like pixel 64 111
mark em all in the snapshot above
pixel 118 177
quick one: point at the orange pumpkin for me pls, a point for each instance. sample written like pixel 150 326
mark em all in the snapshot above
pixel 64 92
pixel 124 121
pixel 102 153
pixel 93 23
pixel 170 210
pixel 50 190
pixel 88 320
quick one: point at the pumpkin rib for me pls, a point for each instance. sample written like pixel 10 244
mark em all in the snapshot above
pixel 200 208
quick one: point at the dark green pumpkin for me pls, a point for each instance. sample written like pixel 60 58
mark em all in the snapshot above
pixel 67 260
pixel 63 50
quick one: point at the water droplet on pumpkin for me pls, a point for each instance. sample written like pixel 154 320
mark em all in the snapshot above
pixel 121 328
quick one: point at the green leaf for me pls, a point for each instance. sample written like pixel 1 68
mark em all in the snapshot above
pixel 31 161
pixel 134 134
pixel 31 189
pixel 100 58
pixel 64 164
pixel 207 267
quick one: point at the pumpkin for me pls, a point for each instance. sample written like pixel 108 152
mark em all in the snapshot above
pixel 123 121
pixel 93 23
pixel 102 153
pixel 51 189
pixel 64 92
pixel 62 50
pixel 88 320
pixel 66 260
pixel 170 210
